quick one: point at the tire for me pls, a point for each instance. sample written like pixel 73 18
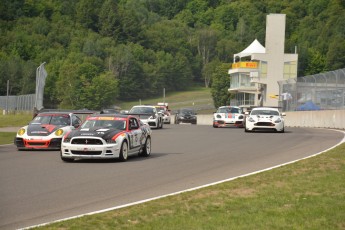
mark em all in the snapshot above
pixel 65 159
pixel 124 151
pixel 147 147
pixel 282 131
pixel 246 130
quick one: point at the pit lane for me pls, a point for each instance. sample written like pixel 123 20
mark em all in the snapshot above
pixel 37 187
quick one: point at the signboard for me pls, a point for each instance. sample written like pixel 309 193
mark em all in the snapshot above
pixel 251 65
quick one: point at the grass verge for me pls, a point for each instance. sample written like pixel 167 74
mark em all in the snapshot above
pixel 309 194
pixel 15 120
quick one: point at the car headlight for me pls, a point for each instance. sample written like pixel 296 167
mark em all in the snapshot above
pixel 111 141
pixel 59 132
pixel 251 119
pixel 67 140
pixel 21 132
pixel 278 120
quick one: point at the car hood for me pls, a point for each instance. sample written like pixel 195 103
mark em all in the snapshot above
pixel 228 115
pixel 265 117
pixel 186 115
pixel 104 133
pixel 42 130
pixel 143 115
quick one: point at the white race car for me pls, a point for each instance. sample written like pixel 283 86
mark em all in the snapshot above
pixel 165 113
pixel 46 130
pixel 264 119
pixel 228 116
pixel 148 114
pixel 107 136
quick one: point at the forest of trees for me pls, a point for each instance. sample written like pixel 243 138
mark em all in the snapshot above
pixel 99 51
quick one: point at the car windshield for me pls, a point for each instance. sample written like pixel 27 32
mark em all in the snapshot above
pixel 112 124
pixel 160 109
pixel 265 112
pixel 51 120
pixel 228 110
pixel 141 110
pixel 187 111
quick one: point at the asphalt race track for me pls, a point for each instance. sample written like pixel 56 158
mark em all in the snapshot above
pixel 37 187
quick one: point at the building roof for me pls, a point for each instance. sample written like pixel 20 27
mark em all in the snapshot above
pixel 255 47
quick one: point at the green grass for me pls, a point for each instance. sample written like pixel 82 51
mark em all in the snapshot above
pixel 309 194
pixel 197 97
pixel 15 120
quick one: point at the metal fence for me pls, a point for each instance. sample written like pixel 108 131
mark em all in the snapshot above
pixel 17 103
pixel 324 91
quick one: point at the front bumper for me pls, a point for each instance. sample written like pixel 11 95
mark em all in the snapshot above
pixel 27 143
pixel 151 122
pixel 186 120
pixel 228 123
pixel 74 151
pixel 264 126
pixel 166 119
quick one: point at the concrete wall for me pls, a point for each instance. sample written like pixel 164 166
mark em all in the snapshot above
pixel 334 119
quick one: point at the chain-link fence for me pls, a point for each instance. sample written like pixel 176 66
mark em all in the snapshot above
pixel 17 103
pixel 324 91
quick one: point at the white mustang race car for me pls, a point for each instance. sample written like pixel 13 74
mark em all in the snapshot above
pixel 107 136
pixel 264 119
pixel 228 116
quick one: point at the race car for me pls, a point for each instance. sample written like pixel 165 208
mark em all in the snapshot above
pixel 228 116
pixel 148 114
pixel 264 119
pixel 46 130
pixel 186 115
pixel 163 109
pixel 107 136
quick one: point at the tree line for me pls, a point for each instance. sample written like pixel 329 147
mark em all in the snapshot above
pixel 99 51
